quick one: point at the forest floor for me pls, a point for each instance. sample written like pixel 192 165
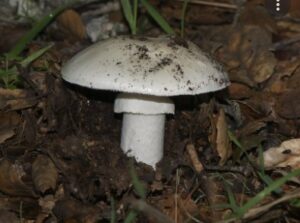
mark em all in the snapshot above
pixel 229 156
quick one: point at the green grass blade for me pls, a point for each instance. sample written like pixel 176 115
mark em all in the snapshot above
pixel 34 56
pixel 135 13
pixel 261 195
pixel 233 205
pixel 262 174
pixel 113 218
pixel 157 17
pixel 131 217
pixel 36 29
pixel 182 22
pixel 138 186
pixel 9 77
pixel 127 10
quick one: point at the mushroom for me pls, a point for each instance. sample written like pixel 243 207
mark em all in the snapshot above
pixel 147 71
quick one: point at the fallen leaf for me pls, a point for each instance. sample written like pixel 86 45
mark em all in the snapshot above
pixel 30 206
pixel 16 99
pixel 287 76
pixel 288 104
pixel 253 13
pixel 71 210
pixel 239 91
pixel 8 122
pixel 44 174
pixel 175 205
pixel 294 9
pixel 285 155
pixel 10 180
pixel 214 192
pixel 219 137
pixel 46 203
pixel 7 216
pixel 72 21
pixel 247 53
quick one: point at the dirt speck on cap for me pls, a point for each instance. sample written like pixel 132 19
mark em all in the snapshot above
pixel 166 61
pixel 142 52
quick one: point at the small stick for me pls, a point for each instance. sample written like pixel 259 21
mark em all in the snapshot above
pixel 213 4
pixel 194 158
pixel 149 211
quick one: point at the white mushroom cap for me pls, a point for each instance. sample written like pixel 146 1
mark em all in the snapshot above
pixel 163 66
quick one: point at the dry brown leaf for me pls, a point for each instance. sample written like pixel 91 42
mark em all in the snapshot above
pixel 177 207
pixel 251 128
pixel 288 105
pixel 47 203
pixel 219 137
pixel 9 217
pixel 285 155
pixel 214 195
pixel 16 99
pixel 71 21
pixel 223 143
pixel 247 53
pixel 287 76
pixel 254 53
pixel 261 103
pixel 239 91
pixel 10 180
pixel 250 136
pixel 262 67
pixel 71 210
pixel 44 174
pixel 295 8
pixel 8 122
pixel 257 15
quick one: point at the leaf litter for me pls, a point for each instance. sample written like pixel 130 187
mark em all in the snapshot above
pixel 60 155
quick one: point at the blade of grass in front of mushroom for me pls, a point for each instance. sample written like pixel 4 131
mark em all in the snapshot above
pixel 139 189
pixel 138 186
pixel 183 13
pixel 157 17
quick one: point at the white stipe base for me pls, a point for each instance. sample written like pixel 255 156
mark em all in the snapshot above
pixel 143 137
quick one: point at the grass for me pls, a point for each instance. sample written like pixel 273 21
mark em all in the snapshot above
pixel 9 75
pixel 21 45
pixel 182 21
pixel 140 191
pixel 130 12
pixel 238 211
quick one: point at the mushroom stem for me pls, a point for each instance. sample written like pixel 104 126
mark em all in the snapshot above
pixel 143 125
pixel 143 137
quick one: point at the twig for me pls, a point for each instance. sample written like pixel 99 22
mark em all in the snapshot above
pixel 213 4
pixel 190 148
pixel 259 210
pixel 149 211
